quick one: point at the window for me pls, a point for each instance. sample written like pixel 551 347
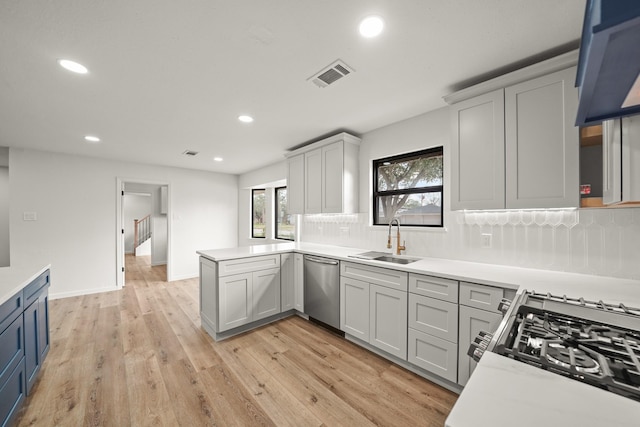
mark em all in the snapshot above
pixel 285 223
pixel 258 228
pixel 409 187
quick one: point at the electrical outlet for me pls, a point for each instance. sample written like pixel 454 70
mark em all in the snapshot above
pixel 486 240
pixel 29 216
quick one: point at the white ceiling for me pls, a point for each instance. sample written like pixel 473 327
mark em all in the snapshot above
pixel 167 76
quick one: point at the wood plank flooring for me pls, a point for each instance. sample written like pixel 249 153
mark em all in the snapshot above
pixel 138 357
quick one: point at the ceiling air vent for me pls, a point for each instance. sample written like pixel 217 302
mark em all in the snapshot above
pixel 190 153
pixel 331 74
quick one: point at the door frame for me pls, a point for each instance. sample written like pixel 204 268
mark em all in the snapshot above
pixel 120 182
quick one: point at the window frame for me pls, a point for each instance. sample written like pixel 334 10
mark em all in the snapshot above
pixel 377 194
pixel 276 204
pixel 253 191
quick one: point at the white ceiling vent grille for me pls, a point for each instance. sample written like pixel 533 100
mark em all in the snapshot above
pixel 331 74
pixel 190 153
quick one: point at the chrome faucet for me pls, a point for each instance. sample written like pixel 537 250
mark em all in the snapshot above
pixel 399 247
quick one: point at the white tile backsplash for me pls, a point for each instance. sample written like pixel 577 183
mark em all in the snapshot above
pixel 603 242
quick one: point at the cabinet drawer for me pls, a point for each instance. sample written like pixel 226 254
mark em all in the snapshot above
pixel 11 348
pixel 243 265
pixel 32 290
pixel 434 287
pixel 434 317
pixel 480 296
pixel 433 354
pixel 11 309
pixel 380 276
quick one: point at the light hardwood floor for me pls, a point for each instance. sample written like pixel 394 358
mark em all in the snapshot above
pixel 138 357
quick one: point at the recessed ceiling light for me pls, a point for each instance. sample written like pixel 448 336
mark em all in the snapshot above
pixel 371 26
pixel 73 66
pixel 245 119
pixel 91 138
pixel 218 159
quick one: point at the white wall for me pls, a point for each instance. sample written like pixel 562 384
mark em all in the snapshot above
pixel 594 241
pixel 4 216
pixel 75 201
pixel 267 177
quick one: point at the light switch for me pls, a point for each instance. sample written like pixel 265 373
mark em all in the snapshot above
pixel 29 216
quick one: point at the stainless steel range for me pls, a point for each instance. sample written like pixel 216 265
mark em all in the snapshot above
pixel 592 342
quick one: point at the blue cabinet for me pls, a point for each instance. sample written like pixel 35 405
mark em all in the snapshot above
pixel 36 335
pixel 24 343
pixel 609 61
pixel 12 379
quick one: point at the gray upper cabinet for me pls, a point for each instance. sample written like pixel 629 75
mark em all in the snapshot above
pixel 477 152
pixel 323 176
pixel 295 184
pixel 515 145
pixel 313 182
pixel 542 142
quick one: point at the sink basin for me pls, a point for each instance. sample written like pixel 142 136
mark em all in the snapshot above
pixel 396 260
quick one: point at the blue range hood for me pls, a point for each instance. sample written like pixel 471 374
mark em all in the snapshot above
pixel 609 63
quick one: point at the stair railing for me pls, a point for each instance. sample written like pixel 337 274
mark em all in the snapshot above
pixel 142 230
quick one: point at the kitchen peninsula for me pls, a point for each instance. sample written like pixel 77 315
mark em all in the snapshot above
pixel 430 355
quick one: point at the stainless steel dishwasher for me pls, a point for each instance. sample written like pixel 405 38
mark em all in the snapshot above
pixel 322 290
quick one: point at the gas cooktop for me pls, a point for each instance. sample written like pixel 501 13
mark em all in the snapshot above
pixel 592 342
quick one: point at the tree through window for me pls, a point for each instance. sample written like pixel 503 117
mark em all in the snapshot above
pixel 409 187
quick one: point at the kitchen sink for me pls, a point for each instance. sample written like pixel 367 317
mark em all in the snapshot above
pixel 396 260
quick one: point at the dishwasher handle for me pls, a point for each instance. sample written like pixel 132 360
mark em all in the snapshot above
pixel 320 260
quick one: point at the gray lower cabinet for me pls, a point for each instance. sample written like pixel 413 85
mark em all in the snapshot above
pixel 287 280
pixel 237 292
pixel 298 274
pixel 247 297
pixel 433 325
pixel 472 321
pixel 373 306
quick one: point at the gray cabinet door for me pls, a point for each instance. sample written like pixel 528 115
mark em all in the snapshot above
pixel 287 277
pixel 433 354
pixel 542 142
pixel 235 300
pixel 477 152
pixel 332 175
pixel 295 184
pixel 299 281
pixel 354 308
pixel 472 321
pixel 388 320
pixel 313 181
pixel 265 293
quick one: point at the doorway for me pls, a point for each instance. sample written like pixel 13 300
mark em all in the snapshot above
pixel 143 235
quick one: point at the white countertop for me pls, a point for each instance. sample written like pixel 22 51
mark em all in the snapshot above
pixel 608 289
pixel 14 279
pixel 504 392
